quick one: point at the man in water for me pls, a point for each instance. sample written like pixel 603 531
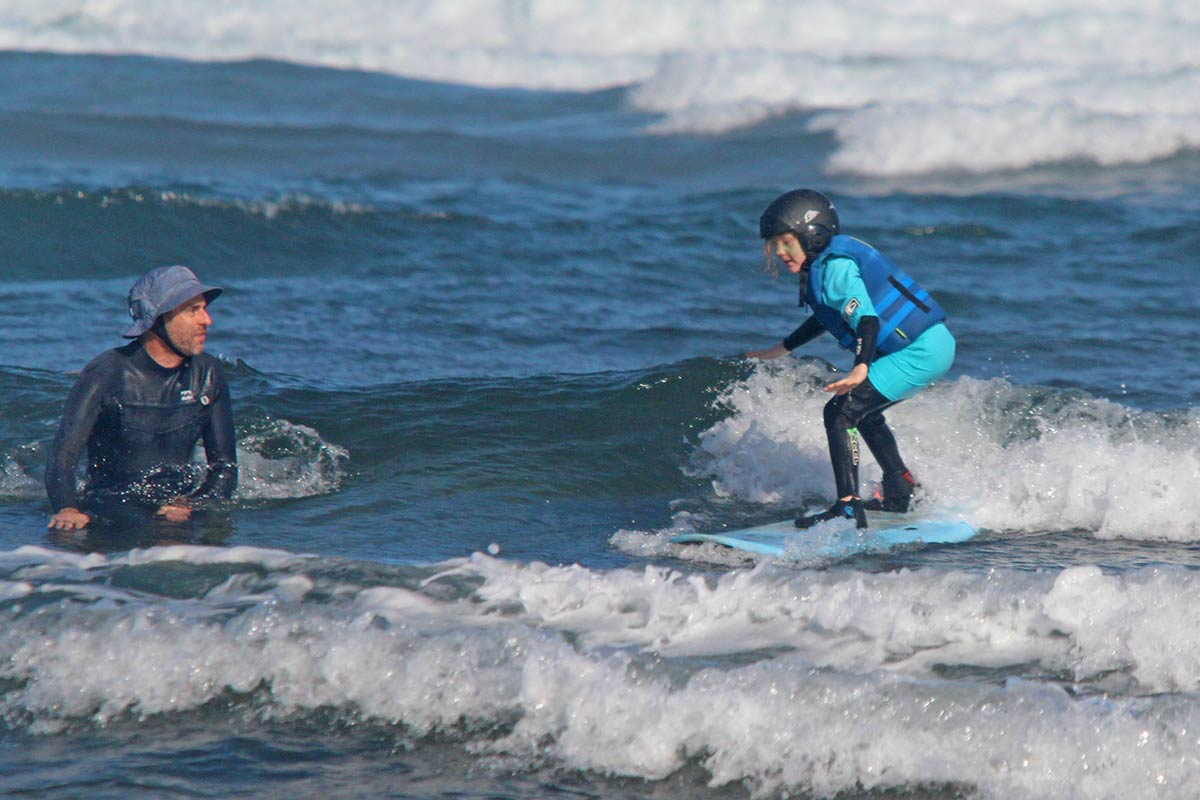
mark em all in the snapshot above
pixel 894 328
pixel 140 409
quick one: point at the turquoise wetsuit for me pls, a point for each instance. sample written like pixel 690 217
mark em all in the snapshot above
pixel 900 374
pixel 846 284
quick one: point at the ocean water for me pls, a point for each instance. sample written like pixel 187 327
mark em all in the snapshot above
pixel 490 268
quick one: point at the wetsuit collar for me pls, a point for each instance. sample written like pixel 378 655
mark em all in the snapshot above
pixel 142 356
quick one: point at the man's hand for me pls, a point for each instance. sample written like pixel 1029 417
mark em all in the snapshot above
pixel 850 382
pixel 69 519
pixel 175 512
pixel 770 353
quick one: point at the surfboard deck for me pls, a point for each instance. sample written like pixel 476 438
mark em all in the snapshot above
pixel 886 530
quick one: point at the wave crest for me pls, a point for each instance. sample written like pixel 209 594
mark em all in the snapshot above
pixel 1011 457
pixel 997 680
pixel 905 88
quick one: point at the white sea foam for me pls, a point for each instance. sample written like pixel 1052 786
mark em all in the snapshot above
pixel 840 680
pixel 44 558
pixel 10 590
pixel 15 481
pixel 1078 622
pixel 197 554
pixel 280 459
pixel 1007 456
pixel 903 87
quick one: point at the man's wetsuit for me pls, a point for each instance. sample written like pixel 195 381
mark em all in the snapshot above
pixel 140 422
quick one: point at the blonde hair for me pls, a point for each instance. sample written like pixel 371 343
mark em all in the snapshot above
pixel 771 265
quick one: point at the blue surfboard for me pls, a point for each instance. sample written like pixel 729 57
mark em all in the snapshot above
pixel 886 531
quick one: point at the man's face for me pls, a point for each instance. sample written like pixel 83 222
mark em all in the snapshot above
pixel 187 325
pixel 786 247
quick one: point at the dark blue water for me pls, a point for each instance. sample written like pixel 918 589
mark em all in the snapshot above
pixel 484 346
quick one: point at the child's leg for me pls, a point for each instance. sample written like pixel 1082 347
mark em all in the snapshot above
pixel 843 415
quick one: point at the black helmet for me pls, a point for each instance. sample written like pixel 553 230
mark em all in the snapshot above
pixel 807 213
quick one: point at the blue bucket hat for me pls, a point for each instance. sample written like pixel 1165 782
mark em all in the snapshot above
pixel 160 290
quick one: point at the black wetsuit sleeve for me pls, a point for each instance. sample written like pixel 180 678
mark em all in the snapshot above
pixel 79 417
pixel 220 448
pixel 867 337
pixel 808 330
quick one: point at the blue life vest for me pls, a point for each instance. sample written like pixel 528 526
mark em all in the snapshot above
pixel 905 309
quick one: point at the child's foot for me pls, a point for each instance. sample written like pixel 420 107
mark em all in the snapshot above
pixel 842 509
pixel 894 495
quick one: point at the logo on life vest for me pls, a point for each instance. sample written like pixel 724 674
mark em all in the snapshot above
pixel 850 308
pixel 186 396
